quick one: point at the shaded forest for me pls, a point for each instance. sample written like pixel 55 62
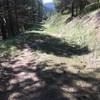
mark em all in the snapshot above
pixel 16 16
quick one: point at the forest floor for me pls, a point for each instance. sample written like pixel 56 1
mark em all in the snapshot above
pixel 38 65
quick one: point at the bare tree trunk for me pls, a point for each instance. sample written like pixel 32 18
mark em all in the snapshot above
pixel 15 8
pixel 10 18
pixel 3 28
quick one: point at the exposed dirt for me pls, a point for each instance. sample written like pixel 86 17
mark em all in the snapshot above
pixel 34 75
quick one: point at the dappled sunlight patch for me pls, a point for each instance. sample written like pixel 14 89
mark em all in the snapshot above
pixel 12 81
pixel 2 46
pixel 69 89
pixel 15 96
pixel 91 73
pixel 69 96
pixel 25 75
pixel 25 58
pixel 83 84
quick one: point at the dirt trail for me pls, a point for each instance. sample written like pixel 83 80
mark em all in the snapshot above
pixel 38 75
pixel 30 81
pixel 21 76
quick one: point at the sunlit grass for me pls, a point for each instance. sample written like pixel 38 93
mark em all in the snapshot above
pixel 74 32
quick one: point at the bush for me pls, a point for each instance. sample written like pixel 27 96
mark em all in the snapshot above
pixel 91 7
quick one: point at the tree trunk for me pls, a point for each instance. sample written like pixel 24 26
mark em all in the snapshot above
pixel 16 16
pixel 10 18
pixel 3 28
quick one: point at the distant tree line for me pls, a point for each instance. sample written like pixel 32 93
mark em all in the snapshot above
pixel 75 7
pixel 15 14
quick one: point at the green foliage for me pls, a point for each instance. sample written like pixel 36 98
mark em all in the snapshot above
pixel 91 7
pixel 76 6
pixel 19 13
pixel 57 5
pixel 62 5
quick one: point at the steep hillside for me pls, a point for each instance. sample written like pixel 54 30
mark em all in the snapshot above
pixel 62 24
pixel 83 31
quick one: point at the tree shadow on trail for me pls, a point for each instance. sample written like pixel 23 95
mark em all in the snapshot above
pixel 6 74
pixel 49 44
pixel 65 85
pixel 49 84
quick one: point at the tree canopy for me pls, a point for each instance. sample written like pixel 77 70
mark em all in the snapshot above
pixel 18 13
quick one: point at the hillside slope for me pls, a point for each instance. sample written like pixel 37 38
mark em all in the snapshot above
pixel 83 31
pixel 85 25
